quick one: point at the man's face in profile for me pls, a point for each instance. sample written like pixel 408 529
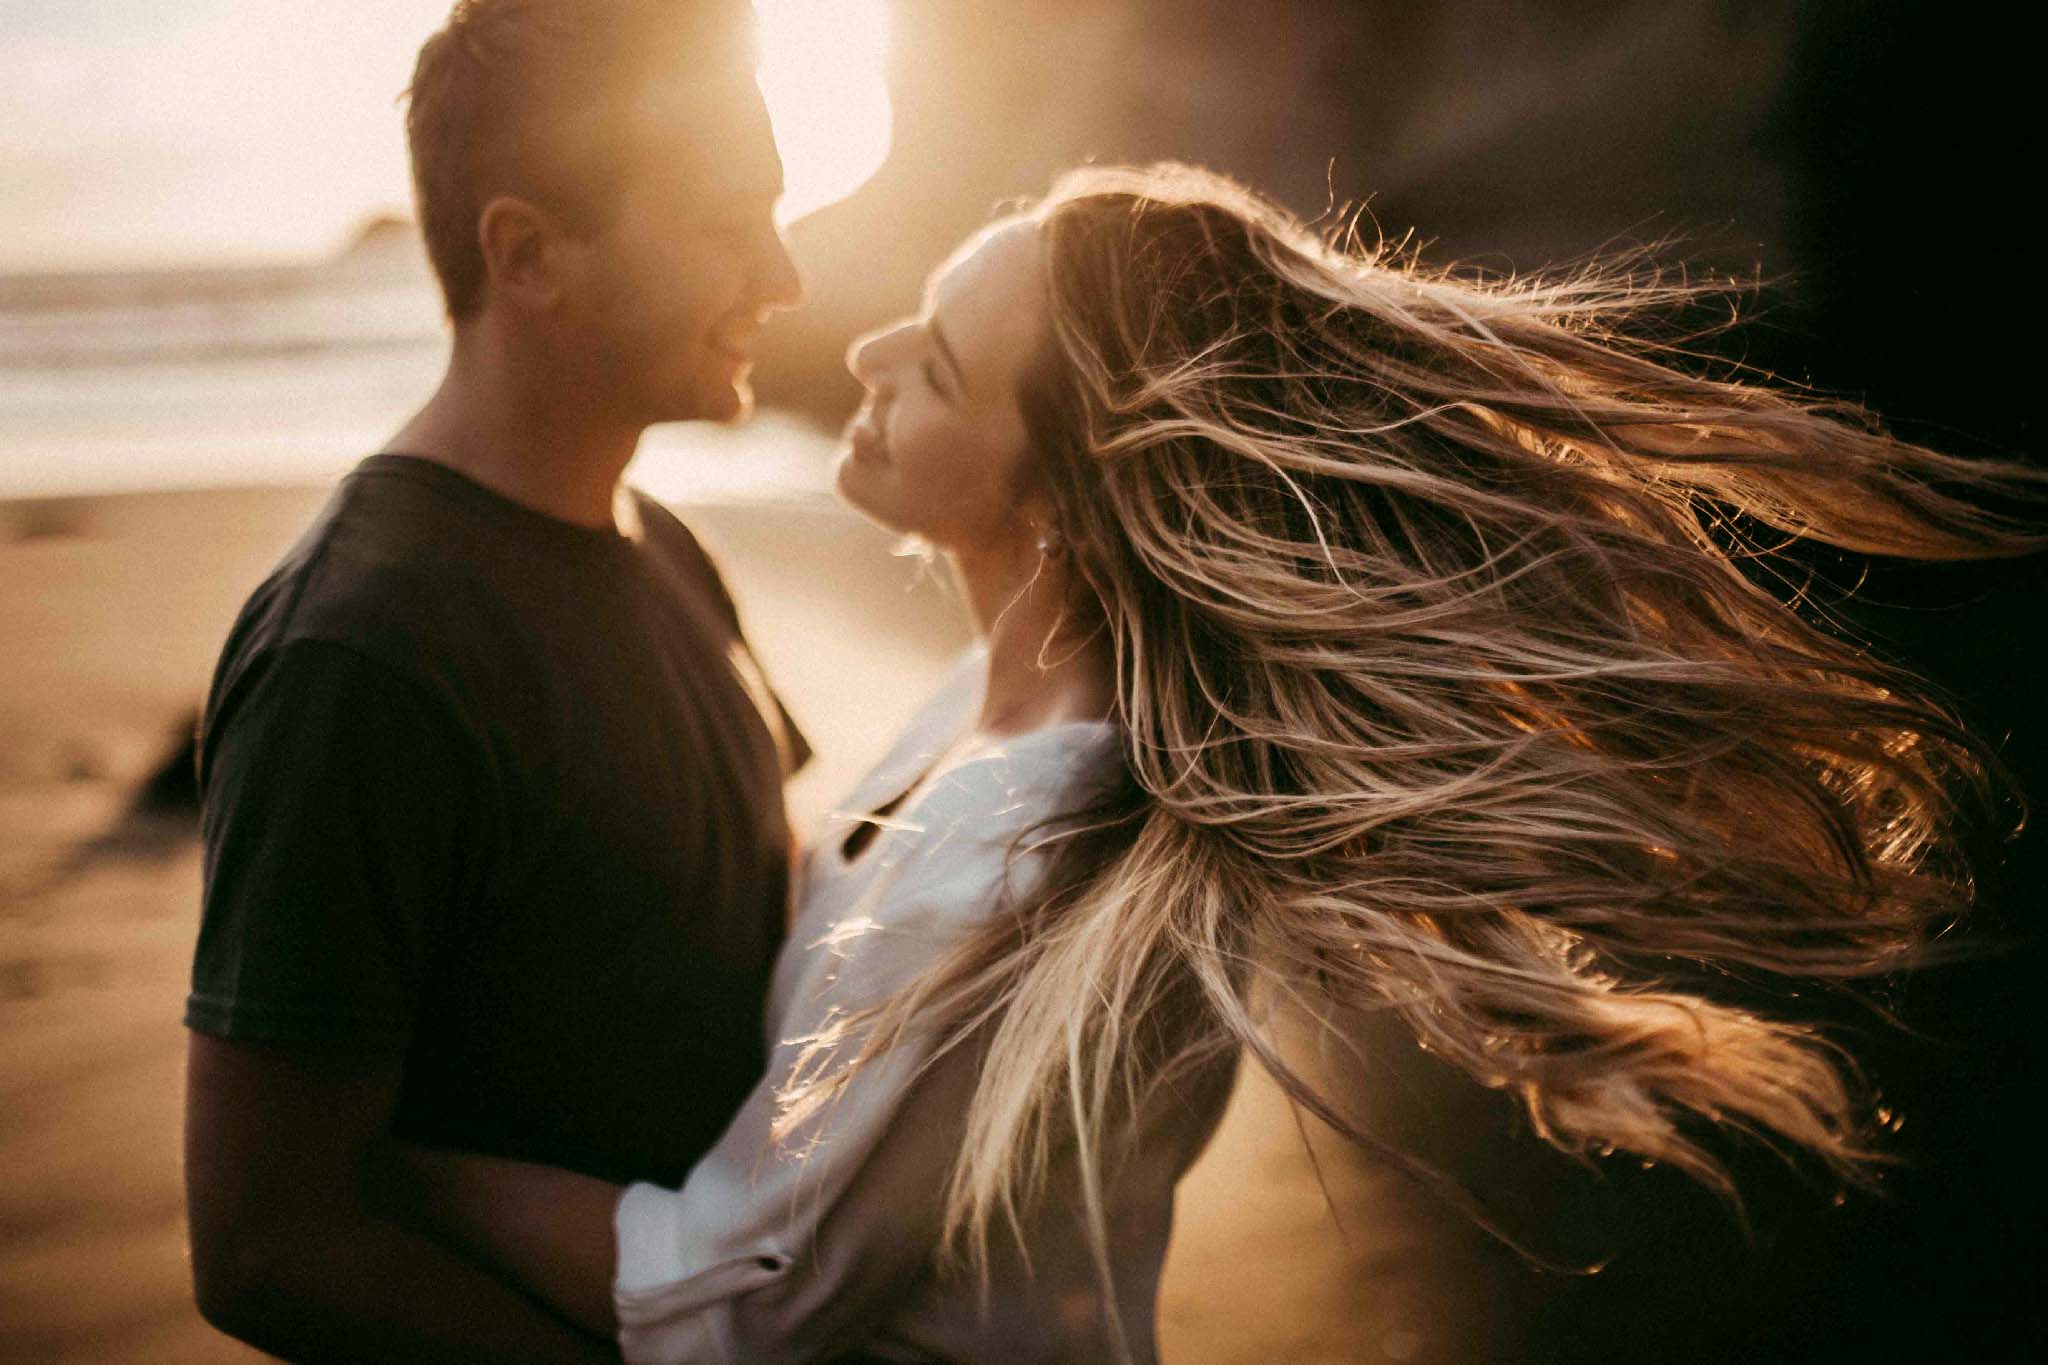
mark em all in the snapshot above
pixel 673 289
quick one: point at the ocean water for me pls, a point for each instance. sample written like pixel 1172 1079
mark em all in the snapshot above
pixel 219 378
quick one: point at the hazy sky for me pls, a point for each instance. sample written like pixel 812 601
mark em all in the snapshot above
pixel 138 132
pixel 142 131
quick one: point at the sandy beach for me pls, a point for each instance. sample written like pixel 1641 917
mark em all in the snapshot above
pixel 111 609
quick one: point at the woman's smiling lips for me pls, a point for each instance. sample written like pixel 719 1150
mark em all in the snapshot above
pixel 864 438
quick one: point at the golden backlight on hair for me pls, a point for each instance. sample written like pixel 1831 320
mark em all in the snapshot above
pixel 1442 697
pixel 821 73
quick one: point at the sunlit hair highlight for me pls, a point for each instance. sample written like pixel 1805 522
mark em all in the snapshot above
pixel 1444 691
pixel 544 99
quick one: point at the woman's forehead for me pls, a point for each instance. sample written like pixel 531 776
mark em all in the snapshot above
pixel 1003 250
pixel 989 298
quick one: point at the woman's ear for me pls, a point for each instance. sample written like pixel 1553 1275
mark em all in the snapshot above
pixel 522 260
pixel 1041 526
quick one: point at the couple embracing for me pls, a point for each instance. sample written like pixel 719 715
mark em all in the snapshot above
pixel 1356 639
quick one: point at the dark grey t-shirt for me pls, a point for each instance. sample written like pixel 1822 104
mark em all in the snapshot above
pixel 500 794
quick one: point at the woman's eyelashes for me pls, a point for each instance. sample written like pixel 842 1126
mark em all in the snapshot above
pixel 927 364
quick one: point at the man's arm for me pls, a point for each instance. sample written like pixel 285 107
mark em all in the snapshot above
pixel 345 804
pixel 545 1228
pixel 287 1253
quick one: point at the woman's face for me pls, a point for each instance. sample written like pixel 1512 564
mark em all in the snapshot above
pixel 934 450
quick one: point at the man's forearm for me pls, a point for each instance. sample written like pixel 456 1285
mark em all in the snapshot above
pixel 546 1229
pixel 368 1290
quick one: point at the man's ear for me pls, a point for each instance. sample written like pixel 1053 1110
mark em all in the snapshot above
pixel 520 249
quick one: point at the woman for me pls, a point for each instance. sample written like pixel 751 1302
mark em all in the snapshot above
pixel 1359 637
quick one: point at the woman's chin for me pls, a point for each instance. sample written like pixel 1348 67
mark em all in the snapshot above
pixel 852 485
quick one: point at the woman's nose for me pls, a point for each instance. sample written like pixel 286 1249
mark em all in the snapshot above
pixel 867 359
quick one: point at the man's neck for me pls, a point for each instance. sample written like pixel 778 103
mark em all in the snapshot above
pixel 500 420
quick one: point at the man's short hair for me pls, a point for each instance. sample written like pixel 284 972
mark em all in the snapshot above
pixel 539 98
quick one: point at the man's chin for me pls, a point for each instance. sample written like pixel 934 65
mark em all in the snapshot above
pixel 729 405
pixel 723 404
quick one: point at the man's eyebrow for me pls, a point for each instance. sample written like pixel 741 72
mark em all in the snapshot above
pixel 946 353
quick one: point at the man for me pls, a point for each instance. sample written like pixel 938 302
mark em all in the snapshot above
pixel 495 846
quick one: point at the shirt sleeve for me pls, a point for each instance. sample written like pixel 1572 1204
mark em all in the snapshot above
pixel 340 800
pixel 793 1250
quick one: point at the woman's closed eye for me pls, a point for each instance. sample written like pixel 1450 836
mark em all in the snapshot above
pixel 940 364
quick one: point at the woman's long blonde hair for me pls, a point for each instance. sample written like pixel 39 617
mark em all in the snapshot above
pixel 1444 692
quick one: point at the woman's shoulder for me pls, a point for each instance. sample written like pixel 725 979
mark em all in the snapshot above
pixel 1027 777
pixel 966 835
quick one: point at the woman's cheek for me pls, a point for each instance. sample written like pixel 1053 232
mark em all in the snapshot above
pixel 923 452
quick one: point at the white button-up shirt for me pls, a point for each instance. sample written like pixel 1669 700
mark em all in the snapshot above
pixel 826 1243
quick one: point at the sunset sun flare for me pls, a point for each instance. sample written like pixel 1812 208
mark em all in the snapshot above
pixel 822 74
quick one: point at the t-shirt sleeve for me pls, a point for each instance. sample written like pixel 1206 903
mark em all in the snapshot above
pixel 341 803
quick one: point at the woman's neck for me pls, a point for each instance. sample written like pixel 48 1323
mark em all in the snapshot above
pixel 1044 665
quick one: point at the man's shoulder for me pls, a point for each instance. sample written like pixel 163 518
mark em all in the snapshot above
pixel 678 545
pixel 668 536
pixel 386 576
